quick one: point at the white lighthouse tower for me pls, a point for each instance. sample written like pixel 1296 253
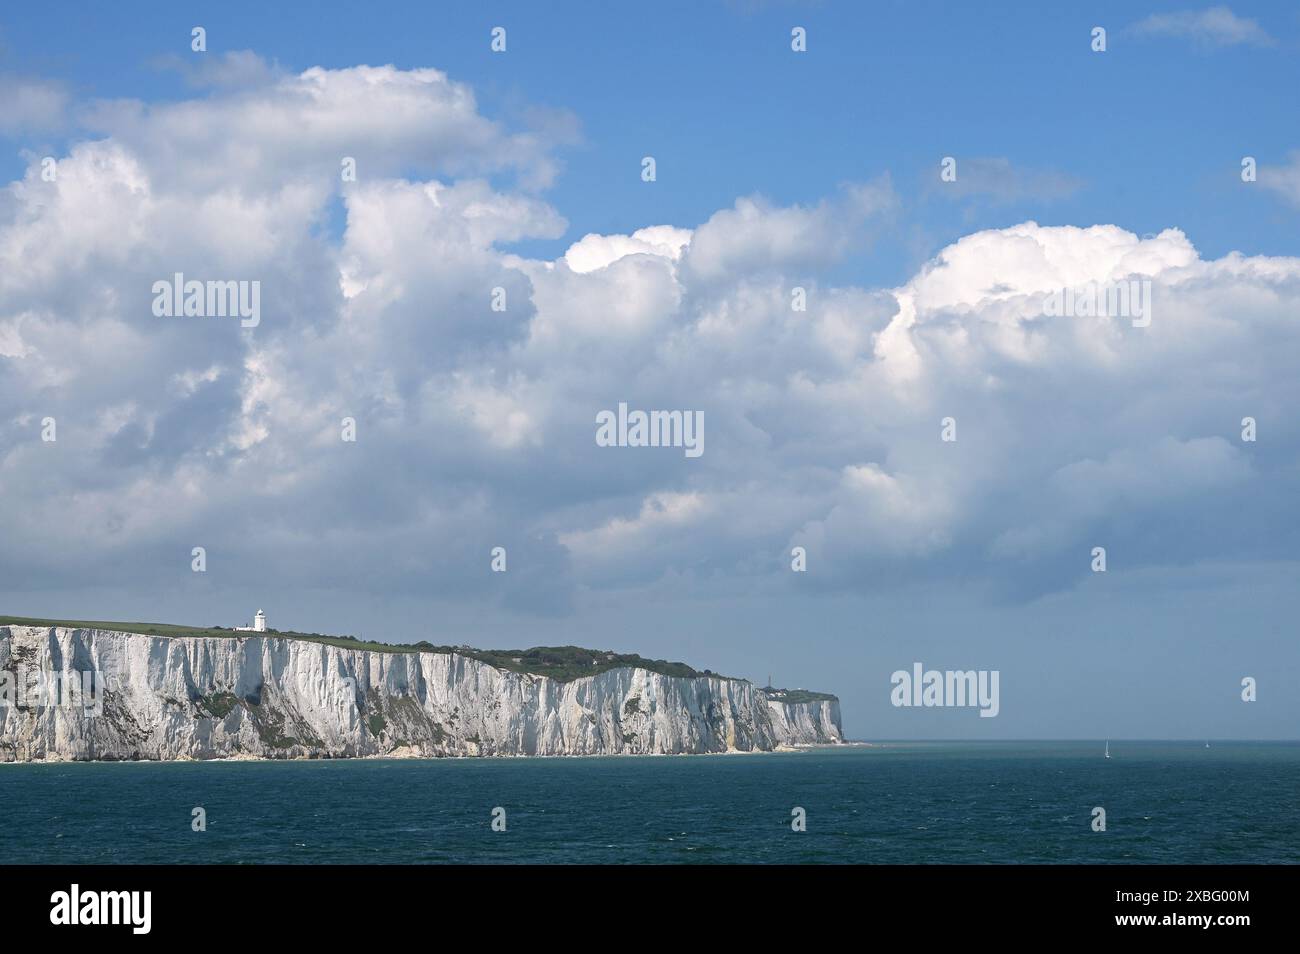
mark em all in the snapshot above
pixel 259 624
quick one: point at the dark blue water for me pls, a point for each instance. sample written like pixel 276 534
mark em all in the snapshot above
pixel 900 802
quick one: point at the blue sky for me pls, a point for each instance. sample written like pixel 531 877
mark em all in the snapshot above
pixel 775 170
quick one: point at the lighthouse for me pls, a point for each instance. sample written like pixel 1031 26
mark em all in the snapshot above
pixel 259 624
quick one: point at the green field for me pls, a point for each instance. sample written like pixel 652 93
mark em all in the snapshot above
pixel 557 662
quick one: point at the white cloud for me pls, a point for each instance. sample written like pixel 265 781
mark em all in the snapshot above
pixel 1217 26
pixel 260 134
pixel 596 251
pixel 756 236
pixel 476 427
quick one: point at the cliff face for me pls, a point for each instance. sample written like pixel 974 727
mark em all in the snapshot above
pixel 201 698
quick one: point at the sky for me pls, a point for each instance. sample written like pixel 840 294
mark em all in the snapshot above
pixel 516 178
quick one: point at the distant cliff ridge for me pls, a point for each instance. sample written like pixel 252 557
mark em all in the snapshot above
pixel 73 693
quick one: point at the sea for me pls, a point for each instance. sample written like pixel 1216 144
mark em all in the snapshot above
pixel 888 802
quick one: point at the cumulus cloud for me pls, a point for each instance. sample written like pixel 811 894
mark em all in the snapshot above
pixel 475 424
pixel 269 127
pixel 755 235
pixel 1215 27
pixel 597 251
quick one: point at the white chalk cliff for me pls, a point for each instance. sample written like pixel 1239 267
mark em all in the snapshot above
pixel 210 698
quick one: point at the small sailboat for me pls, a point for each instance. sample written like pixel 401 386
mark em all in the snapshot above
pixel 1207 745
pixel 1108 748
